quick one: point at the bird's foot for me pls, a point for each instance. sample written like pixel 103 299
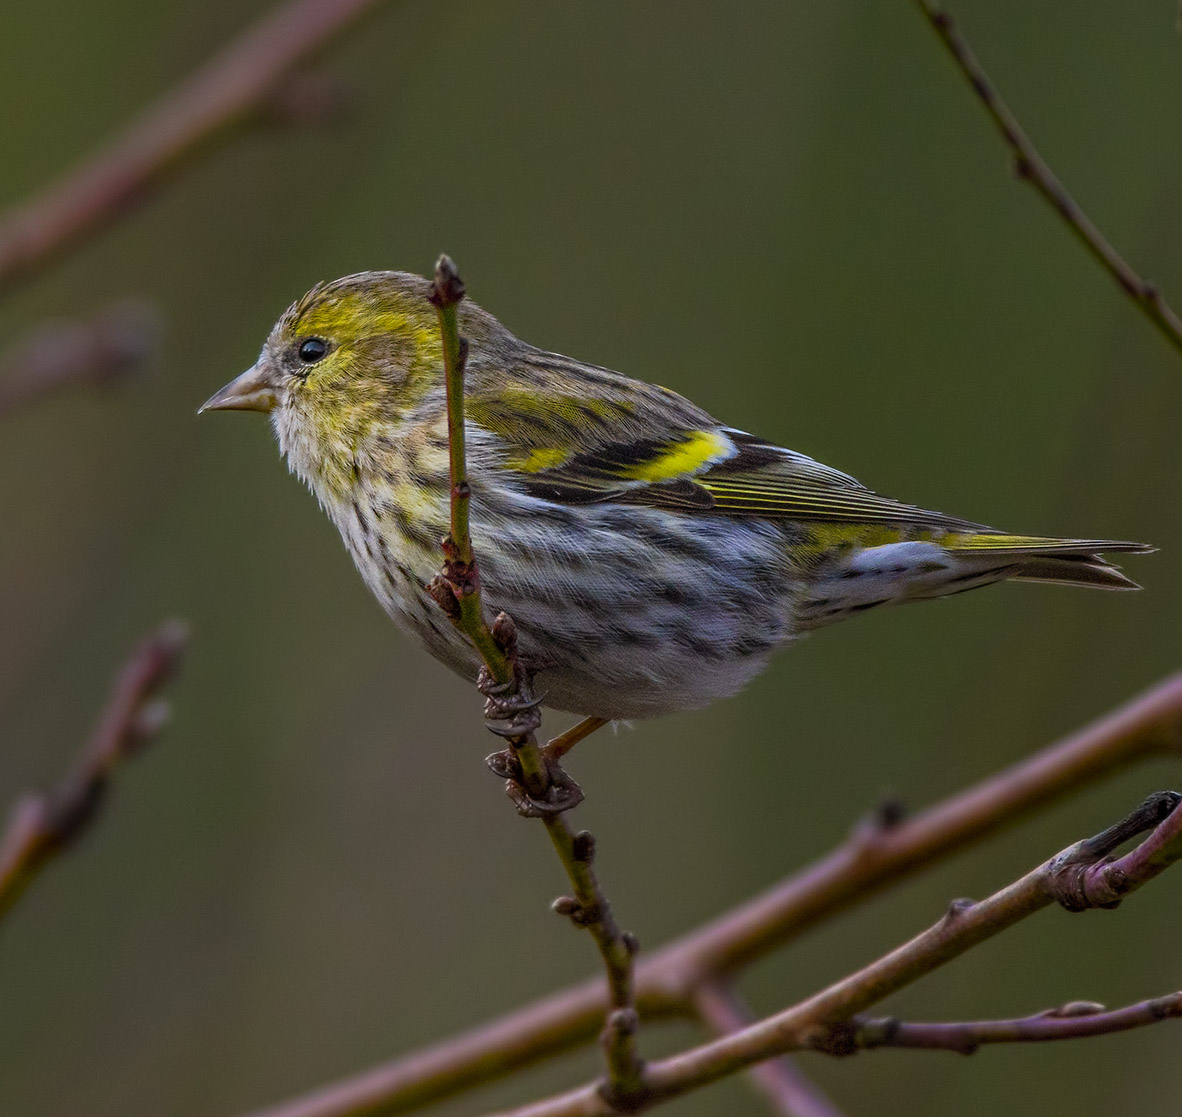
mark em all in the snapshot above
pixel 562 793
pixel 511 709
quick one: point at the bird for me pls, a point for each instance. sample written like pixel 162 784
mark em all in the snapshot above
pixel 651 557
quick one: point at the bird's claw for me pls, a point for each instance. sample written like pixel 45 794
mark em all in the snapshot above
pixel 562 792
pixel 510 709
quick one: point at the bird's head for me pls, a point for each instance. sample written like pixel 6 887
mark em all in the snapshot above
pixel 350 358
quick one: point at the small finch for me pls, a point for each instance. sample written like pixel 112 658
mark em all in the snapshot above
pixel 651 557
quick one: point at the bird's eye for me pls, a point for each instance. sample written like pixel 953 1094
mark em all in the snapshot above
pixel 312 350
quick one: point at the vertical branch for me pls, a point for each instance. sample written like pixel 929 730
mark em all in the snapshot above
pixel 460 575
pixel 536 782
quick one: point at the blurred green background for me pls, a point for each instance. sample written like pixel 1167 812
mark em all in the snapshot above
pixel 796 215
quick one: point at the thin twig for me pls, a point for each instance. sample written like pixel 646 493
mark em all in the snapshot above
pixel 822 1022
pixel 42 825
pixel 237 81
pixel 781 1081
pixel 461 575
pixel 874 857
pixel 1031 167
pixel 1076 1020
pixel 534 779
pixel 104 349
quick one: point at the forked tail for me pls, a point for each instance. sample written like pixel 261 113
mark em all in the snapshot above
pixel 1073 562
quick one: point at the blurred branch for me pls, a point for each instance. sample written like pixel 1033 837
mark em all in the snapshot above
pixel 1031 167
pixel 239 80
pixel 536 781
pixel 875 856
pixel 822 1022
pixel 42 825
pixel 1076 1020
pixel 105 349
pixel 788 1089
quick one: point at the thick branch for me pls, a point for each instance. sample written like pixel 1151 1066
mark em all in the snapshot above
pixel 873 858
pixel 1076 1020
pixel 822 1021
pixel 42 825
pixel 104 349
pixel 237 81
pixel 1034 169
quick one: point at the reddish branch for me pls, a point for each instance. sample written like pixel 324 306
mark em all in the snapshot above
pixel 1031 167
pixel 240 80
pixel 870 860
pixel 113 344
pixel 1076 1020
pixel 42 825
pixel 1081 876
pixel 781 1082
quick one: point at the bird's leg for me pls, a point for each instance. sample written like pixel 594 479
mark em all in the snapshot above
pixel 557 747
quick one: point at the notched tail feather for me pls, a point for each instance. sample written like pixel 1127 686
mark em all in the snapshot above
pixel 1077 570
pixel 1073 562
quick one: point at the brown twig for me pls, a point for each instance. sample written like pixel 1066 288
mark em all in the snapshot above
pixel 789 1091
pixel 105 349
pixel 874 857
pixel 42 825
pixel 1031 167
pixel 536 781
pixel 1076 1020
pixel 224 92
pixel 822 1022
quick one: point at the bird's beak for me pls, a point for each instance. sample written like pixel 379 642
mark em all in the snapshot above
pixel 252 391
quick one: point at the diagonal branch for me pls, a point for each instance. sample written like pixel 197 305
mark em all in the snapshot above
pixel 223 93
pixel 874 857
pixel 42 825
pixel 1031 167
pixel 823 1021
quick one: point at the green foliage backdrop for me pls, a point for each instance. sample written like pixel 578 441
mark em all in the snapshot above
pixel 793 213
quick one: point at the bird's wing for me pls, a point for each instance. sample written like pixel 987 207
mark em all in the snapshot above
pixel 726 471
pixel 591 436
pixel 650 446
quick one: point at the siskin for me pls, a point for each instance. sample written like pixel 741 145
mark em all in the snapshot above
pixel 651 557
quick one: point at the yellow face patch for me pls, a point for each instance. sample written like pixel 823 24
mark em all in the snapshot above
pixel 345 316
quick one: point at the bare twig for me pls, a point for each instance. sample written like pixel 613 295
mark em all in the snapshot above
pixel 104 349
pixel 1031 167
pixel 42 825
pixel 874 857
pixel 822 1022
pixel 457 589
pixel 537 782
pixel 1076 1020
pixel 789 1091
pixel 237 81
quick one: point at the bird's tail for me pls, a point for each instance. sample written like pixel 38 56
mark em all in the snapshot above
pixel 1032 558
pixel 921 570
